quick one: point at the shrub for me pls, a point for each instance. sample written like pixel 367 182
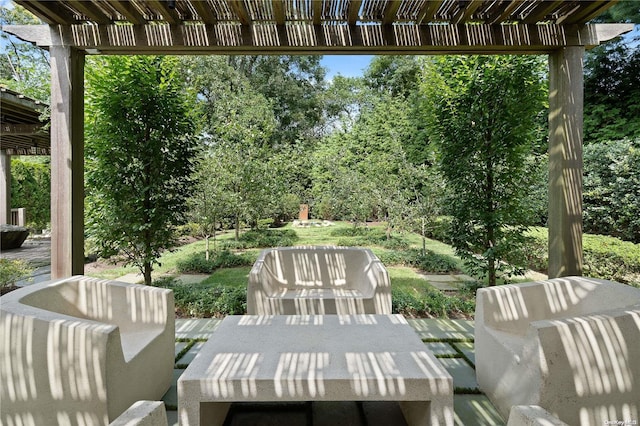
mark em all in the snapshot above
pixel 30 188
pixel 439 229
pixel 197 262
pixel 428 261
pixel 352 231
pixel 12 271
pixel 432 303
pixel 196 300
pixel 604 257
pixel 611 258
pixel 435 262
pixel 268 238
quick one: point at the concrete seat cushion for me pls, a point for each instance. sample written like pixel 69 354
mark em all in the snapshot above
pixel 318 280
pixel 87 348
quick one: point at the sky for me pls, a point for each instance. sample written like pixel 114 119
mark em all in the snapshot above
pixel 345 65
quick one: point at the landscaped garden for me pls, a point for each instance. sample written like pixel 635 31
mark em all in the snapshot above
pixel 222 288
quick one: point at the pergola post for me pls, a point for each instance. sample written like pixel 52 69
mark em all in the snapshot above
pixel 565 161
pixel 5 185
pixel 67 161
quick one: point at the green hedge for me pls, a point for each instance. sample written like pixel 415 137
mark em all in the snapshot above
pixel 604 257
pixel 198 264
pixel 196 300
pixel 30 188
pixel 428 261
pixel 263 238
pixel 432 304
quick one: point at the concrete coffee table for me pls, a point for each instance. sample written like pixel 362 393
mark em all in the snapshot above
pixel 315 358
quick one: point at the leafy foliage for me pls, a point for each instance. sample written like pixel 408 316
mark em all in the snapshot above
pixel 12 271
pixel 612 189
pixel 612 92
pixel 484 116
pixel 196 300
pixel 24 67
pixel 197 263
pixel 140 151
pixel 30 188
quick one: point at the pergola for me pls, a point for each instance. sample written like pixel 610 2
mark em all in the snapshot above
pixel 22 133
pixel 557 28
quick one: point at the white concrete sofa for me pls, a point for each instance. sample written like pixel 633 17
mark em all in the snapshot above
pixel 81 350
pixel 569 345
pixel 318 280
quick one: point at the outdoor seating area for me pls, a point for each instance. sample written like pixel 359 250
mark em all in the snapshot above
pixel 316 280
pixel 557 352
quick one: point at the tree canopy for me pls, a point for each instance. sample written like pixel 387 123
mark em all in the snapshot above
pixel 140 153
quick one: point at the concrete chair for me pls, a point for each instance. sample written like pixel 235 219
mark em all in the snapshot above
pixel 82 350
pixel 569 345
pixel 318 280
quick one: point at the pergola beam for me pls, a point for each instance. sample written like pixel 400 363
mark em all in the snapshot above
pixel 379 39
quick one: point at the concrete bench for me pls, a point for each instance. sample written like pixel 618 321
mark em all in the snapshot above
pixel 569 345
pixel 318 280
pixel 82 350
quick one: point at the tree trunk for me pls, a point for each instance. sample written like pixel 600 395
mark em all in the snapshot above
pixel 237 226
pixel 424 238
pixel 206 250
pixel 147 273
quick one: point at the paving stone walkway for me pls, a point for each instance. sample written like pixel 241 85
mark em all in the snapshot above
pixel 450 340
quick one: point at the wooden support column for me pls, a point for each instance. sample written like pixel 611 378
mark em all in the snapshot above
pixel 5 185
pixel 565 161
pixel 67 161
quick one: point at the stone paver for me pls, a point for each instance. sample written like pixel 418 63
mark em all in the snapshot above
pixel 196 328
pixel 443 329
pixel 464 376
pixel 475 410
pixel 191 354
pixel 441 349
pixel 468 349
pixel 180 346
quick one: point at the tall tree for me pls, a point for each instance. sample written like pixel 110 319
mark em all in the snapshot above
pixel 484 115
pixel 294 86
pixel 23 67
pixel 237 126
pixel 612 92
pixel 140 152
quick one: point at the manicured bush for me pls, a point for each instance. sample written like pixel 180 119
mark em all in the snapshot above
pixel 432 303
pixel 197 300
pixel 604 257
pixel 198 264
pixel 352 231
pixel 428 261
pixel 12 271
pixel 268 238
pixel 30 188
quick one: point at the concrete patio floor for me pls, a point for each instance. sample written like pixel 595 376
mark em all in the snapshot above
pixel 450 340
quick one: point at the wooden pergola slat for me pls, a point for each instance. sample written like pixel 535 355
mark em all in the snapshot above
pixel 556 28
